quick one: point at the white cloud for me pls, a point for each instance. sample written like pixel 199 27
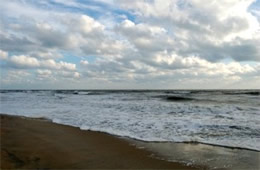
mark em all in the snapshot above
pixel 24 61
pixel 46 54
pixel 145 38
pixel 44 74
pixel 67 74
pixel 84 62
pixel 76 75
pixel 16 77
pixel 89 25
pixel 3 55
pixel 50 63
pixel 66 66
pixel 27 62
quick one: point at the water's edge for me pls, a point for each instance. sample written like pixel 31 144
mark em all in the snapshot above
pixel 188 153
pixel 132 138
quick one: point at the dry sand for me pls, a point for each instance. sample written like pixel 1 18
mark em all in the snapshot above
pixel 37 143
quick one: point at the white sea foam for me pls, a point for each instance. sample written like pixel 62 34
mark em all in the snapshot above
pixel 215 118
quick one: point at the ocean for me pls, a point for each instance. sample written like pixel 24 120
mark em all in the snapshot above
pixel 229 118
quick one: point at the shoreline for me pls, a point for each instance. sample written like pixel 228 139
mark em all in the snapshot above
pixel 40 143
pixel 152 155
pixel 132 138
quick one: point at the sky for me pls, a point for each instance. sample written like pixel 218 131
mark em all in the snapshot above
pixel 130 44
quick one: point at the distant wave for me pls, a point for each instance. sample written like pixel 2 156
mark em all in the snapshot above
pixel 253 93
pixel 178 98
pixel 174 98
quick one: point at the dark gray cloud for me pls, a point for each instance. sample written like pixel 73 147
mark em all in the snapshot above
pixel 16 44
pixel 239 50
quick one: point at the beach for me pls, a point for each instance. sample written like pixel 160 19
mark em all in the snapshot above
pixel 38 143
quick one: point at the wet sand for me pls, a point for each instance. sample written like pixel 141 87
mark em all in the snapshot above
pixel 211 156
pixel 37 143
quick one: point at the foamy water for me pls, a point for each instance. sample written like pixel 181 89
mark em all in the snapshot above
pixel 228 118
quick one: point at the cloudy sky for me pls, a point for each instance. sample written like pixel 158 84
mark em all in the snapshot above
pixel 130 44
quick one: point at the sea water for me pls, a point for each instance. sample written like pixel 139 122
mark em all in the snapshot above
pixel 220 117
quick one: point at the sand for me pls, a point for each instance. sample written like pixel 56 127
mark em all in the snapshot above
pixel 37 143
